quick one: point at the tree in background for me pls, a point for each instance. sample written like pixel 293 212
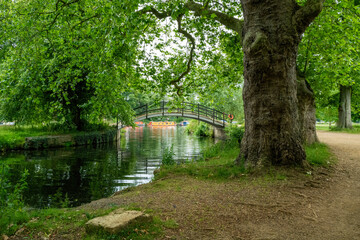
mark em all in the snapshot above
pixel 329 58
pixel 67 61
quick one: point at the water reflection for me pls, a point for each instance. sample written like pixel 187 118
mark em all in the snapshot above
pixel 84 174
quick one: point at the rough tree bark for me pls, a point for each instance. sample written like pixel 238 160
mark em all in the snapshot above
pixel 345 108
pixel 271 35
pixel 307 111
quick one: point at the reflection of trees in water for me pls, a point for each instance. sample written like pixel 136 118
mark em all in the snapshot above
pixel 86 173
pixel 83 173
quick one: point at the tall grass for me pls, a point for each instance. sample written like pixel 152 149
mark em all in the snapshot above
pixel 168 156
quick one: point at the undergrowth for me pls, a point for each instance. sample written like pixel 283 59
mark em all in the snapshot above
pixel 168 156
pixel 199 128
pixel 11 202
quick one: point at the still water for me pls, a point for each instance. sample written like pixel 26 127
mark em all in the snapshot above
pixel 83 174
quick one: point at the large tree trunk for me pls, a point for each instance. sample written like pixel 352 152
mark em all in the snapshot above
pixel 271 35
pixel 345 108
pixel 307 111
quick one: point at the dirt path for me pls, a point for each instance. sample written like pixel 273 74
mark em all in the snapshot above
pixel 323 206
pixel 339 216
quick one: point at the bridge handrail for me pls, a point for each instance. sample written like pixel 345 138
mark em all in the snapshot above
pixel 185 108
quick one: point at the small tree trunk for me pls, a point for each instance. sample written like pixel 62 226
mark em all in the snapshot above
pixel 345 108
pixel 307 111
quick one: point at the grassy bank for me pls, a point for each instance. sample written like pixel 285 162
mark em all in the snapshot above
pixel 217 163
pixel 13 137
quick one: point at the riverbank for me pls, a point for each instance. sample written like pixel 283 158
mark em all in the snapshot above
pixel 190 205
pixel 27 138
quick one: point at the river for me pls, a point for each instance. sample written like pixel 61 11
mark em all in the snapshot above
pixel 73 176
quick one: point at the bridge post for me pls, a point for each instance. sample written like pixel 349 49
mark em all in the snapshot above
pixel 146 110
pixel 213 115
pixel 224 119
pixel 198 110
pixel 219 133
pixel 163 108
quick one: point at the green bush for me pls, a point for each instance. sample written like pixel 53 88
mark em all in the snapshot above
pixel 234 132
pixel 199 128
pixel 11 202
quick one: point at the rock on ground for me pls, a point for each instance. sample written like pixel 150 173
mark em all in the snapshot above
pixel 116 221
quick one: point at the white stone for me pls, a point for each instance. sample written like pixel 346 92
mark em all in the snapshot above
pixel 116 221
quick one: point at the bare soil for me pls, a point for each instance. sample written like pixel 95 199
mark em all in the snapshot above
pixel 323 205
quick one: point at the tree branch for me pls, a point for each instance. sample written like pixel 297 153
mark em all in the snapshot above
pixel 188 66
pixel 306 14
pixel 159 15
pixel 84 20
pixel 230 22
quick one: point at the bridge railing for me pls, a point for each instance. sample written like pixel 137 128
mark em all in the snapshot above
pixel 185 108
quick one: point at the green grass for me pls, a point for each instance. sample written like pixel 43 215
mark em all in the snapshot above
pixel 139 231
pixel 217 164
pixel 12 137
pixel 71 222
pixel 355 129
pixel 318 154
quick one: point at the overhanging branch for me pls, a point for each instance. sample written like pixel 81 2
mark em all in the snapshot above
pixel 306 14
pixel 229 22
pixel 188 66
pixel 159 15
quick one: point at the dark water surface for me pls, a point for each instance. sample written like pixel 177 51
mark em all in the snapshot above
pixel 82 174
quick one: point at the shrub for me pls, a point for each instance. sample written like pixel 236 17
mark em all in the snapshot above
pixel 199 128
pixel 234 132
pixel 11 201
pixel 168 156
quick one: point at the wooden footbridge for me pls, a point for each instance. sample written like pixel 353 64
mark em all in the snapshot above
pixel 188 110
